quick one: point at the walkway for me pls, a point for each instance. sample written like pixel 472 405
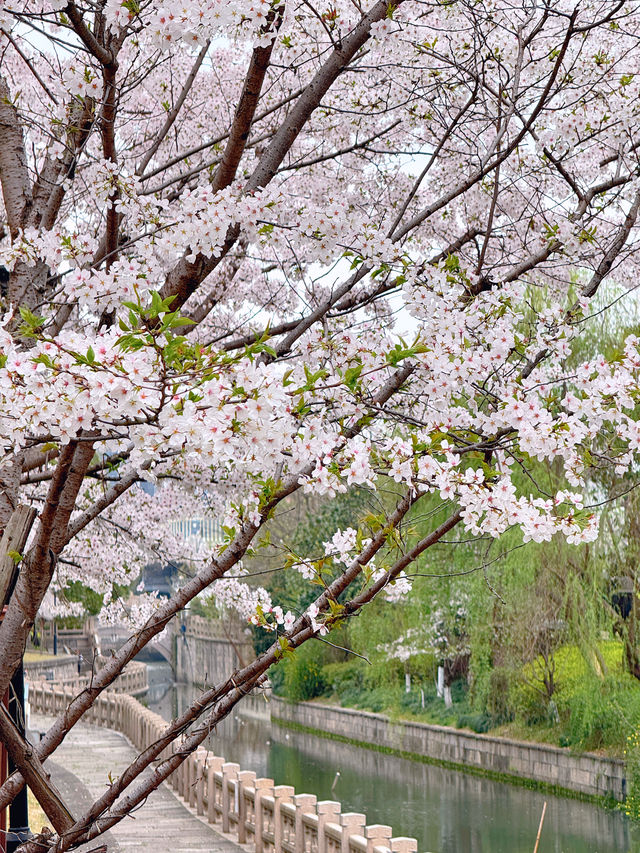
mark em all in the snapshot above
pixel 81 766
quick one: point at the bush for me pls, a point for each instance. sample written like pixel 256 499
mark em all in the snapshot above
pixel 423 667
pixel 276 677
pixel 632 769
pixel 302 674
pixel 343 677
pixel 384 673
pixel 480 723
pixel 603 714
pixel 499 697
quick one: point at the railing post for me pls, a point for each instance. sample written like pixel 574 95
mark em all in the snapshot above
pixel 377 835
pixel 351 823
pixel 404 845
pixel 264 787
pixel 201 757
pixel 229 774
pixel 281 794
pixel 182 775
pixel 305 804
pixel 214 763
pixel 246 779
pixel 328 812
pixel 193 776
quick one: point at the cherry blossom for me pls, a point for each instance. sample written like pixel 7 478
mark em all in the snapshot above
pixel 251 249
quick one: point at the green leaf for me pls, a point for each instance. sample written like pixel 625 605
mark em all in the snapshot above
pixel 351 376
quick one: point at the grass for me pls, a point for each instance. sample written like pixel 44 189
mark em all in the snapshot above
pixel 591 713
pixel 32 656
pixel 37 818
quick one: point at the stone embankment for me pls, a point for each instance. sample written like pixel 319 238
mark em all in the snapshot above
pixel 588 775
pixel 267 818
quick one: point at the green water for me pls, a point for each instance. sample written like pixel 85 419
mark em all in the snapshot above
pixel 446 810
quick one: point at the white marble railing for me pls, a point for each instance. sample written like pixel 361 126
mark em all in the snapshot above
pixel 267 818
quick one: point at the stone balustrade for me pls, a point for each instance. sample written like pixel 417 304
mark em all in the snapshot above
pixel 267 818
pixel 132 680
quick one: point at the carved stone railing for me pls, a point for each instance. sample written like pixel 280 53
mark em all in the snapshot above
pixel 269 818
pixel 132 680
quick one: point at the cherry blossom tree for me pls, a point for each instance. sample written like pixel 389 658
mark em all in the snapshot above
pixel 255 247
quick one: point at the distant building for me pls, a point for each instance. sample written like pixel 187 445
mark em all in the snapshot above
pixel 198 531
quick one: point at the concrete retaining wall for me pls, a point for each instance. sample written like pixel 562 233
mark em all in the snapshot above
pixel 587 773
pixel 210 659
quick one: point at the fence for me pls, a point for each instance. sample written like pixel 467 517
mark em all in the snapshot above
pixel 132 680
pixel 269 818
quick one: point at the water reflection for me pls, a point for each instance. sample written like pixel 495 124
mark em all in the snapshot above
pixel 447 811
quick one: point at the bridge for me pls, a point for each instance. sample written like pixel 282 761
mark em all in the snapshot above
pixel 111 637
pixel 196 648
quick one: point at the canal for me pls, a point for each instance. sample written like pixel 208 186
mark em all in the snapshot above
pixel 446 810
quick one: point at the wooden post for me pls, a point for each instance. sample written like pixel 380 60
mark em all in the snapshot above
pixel 14 539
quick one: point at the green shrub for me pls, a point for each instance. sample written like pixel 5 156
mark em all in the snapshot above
pixel 632 770
pixel 499 699
pixel 346 676
pixel 303 677
pixel 480 723
pixel 384 673
pixel 602 713
pixel 276 677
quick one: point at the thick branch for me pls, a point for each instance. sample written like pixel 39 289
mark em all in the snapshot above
pixel 14 174
pixel 22 754
pixel 104 56
pixel 246 109
pixel 35 573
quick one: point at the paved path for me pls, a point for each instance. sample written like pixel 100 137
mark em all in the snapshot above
pixel 80 767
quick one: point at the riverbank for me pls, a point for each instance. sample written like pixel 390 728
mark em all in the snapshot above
pixel 445 809
pixel 533 765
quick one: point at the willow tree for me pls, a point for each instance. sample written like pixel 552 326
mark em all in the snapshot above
pixel 251 248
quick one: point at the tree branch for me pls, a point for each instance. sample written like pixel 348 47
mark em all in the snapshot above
pixel 173 114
